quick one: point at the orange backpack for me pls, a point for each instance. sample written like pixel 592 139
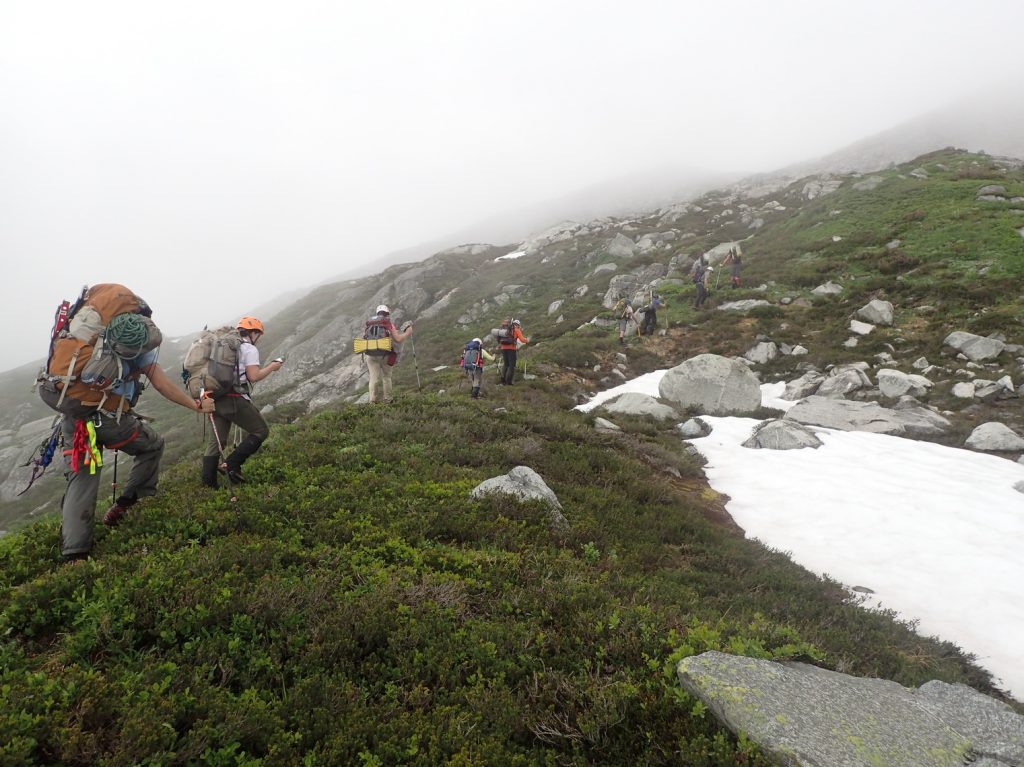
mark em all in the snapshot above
pixel 83 363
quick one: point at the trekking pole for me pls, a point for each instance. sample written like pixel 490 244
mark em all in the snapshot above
pixel 415 364
pixel 220 450
pixel 113 484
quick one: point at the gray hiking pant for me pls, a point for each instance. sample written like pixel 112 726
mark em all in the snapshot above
pixel 132 437
pixel 240 412
pixel 380 372
pixel 476 377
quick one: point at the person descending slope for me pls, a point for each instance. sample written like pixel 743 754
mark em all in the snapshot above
pixel 650 313
pixel 735 262
pixel 234 406
pixel 99 348
pixel 623 312
pixel 474 356
pixel 704 286
pixel 509 344
pixel 377 348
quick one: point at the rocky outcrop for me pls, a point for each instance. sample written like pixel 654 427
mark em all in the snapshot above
pixel 713 385
pixel 695 428
pixel 743 306
pixel 867 416
pixel 781 434
pixel 805 716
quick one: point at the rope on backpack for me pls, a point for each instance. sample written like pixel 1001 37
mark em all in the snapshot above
pixel 128 330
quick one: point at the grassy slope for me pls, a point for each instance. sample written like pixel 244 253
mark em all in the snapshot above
pixel 355 606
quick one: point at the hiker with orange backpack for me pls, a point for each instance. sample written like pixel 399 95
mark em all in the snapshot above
pixel 234 406
pixel 510 338
pixel 99 348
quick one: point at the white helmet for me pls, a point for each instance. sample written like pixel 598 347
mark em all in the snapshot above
pixel 476 341
pixel 383 309
pixel 711 268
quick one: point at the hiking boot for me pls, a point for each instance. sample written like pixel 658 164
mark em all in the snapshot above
pixel 114 515
pixel 117 512
pixel 235 476
pixel 209 475
pixel 79 556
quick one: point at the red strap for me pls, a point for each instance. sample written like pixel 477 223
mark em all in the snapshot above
pixel 121 444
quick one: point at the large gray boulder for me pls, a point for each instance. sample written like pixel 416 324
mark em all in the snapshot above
pixel 781 434
pixel 848 415
pixel 762 352
pixel 620 246
pixel 975 348
pixel 995 436
pixel 844 379
pixel 525 484
pixel 895 383
pixel 634 403
pixel 876 312
pixel 804 386
pixel 805 716
pixel 713 385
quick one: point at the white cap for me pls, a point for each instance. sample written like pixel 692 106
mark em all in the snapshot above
pixel 383 308
pixel 711 268
pixel 476 341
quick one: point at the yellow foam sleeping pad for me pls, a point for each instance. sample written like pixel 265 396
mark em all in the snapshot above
pixel 363 345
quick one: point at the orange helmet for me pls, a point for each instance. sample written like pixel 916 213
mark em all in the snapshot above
pixel 250 323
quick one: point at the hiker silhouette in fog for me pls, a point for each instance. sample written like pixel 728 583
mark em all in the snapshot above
pixel 96 401
pixel 380 361
pixel 509 344
pixel 235 407
pixel 650 313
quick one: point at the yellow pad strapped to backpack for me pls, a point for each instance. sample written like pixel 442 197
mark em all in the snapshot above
pixel 371 345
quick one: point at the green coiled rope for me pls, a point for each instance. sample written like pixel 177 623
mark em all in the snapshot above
pixel 128 331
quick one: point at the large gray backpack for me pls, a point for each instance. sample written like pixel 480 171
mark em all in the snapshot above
pixel 211 362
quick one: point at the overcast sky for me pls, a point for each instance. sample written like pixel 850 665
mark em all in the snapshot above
pixel 212 155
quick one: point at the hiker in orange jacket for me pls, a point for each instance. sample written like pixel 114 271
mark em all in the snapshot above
pixel 509 347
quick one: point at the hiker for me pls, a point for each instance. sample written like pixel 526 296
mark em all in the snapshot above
pixel 509 344
pixel 624 313
pixel 234 406
pixel 650 313
pixel 96 404
pixel 735 262
pixel 704 286
pixel 379 361
pixel 700 263
pixel 473 358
